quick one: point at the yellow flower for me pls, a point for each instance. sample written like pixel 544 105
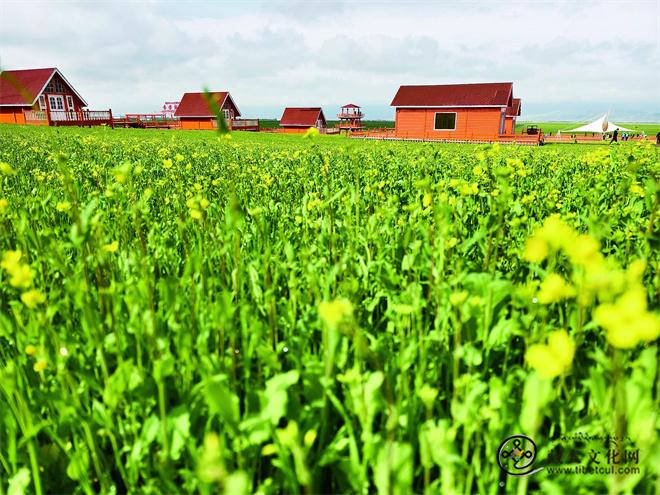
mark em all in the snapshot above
pixel 637 189
pixel 583 250
pixel 33 298
pixel 63 206
pixel 3 204
pixel 627 321
pixel 178 157
pixel 312 132
pixel 427 200
pixel 554 288
pixel 6 169
pixel 333 312
pixel 112 247
pixel 30 350
pixel 458 298
pixel 11 260
pixel 204 203
pixel 40 365
pixel 556 233
pixel 536 249
pixel 167 163
pixel 21 276
pixel 555 357
pixel 452 242
pixel 196 214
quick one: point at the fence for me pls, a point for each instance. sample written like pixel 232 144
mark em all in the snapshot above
pixel 64 117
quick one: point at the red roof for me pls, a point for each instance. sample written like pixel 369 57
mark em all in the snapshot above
pixel 514 109
pixel 350 105
pixel 23 87
pixel 454 95
pixel 302 116
pixel 195 105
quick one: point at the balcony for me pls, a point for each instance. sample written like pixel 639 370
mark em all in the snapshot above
pixel 350 115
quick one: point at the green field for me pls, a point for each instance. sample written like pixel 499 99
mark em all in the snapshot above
pixel 184 312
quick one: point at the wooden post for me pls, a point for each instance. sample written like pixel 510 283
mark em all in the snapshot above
pixel 50 122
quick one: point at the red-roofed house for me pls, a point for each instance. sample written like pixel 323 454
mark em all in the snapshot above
pixel 35 89
pixel 511 113
pixel 452 111
pixel 193 111
pixel 296 120
pixel 44 97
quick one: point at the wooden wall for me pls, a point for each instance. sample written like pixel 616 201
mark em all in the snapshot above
pixel 471 123
pixel 11 115
pixel 193 123
pixel 509 125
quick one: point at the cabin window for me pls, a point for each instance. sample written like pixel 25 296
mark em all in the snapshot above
pixel 445 121
pixel 227 114
pixel 42 103
pixel 69 103
pixel 56 103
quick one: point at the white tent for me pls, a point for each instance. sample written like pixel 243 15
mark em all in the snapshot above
pixel 600 125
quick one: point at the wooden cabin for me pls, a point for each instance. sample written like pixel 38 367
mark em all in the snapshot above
pixel 193 110
pixel 44 97
pixel 461 112
pixel 299 120
pixel 511 113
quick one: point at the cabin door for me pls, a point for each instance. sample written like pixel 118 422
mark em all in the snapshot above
pixel 56 103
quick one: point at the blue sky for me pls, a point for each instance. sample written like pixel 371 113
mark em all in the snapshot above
pixel 568 60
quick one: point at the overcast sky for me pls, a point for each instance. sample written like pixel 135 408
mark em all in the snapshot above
pixel 567 59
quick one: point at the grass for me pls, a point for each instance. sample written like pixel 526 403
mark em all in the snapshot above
pixel 181 312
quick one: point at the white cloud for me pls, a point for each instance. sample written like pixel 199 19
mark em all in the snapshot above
pixel 132 56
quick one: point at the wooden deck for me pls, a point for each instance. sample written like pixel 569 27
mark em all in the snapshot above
pixel 146 121
pixel 390 134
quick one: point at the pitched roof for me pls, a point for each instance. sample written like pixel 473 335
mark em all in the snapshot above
pixel 23 87
pixel 302 116
pixel 350 105
pixel 454 95
pixel 514 109
pixel 195 105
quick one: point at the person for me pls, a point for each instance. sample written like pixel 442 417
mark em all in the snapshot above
pixel 657 138
pixel 615 136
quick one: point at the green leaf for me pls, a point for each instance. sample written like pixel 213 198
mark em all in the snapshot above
pixel 222 401
pixel 212 102
pixel 276 395
pixel 393 471
pixel 19 482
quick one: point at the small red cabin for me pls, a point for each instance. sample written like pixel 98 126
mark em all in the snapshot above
pixel 460 112
pixel 44 97
pixel 193 111
pixel 298 120
pixel 511 113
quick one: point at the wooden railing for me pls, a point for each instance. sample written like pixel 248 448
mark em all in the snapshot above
pixel 244 124
pixel 349 115
pixel 65 117
pixel 146 120
pixel 35 117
